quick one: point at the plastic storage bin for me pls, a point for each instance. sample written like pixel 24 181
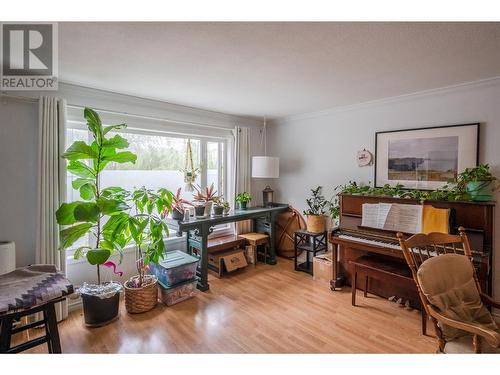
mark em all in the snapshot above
pixel 177 267
pixel 170 295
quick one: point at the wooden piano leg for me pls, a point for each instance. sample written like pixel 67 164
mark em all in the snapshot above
pixel 365 292
pixel 333 282
pixel 353 290
pixel 424 322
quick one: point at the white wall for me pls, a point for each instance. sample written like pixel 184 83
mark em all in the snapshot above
pixel 18 151
pixel 18 176
pixel 320 148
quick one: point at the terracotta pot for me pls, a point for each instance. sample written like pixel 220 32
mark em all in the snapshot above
pixel 316 223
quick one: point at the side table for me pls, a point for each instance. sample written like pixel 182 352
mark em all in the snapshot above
pixel 311 243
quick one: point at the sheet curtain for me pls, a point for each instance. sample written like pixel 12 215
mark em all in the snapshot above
pixel 242 171
pixel 51 185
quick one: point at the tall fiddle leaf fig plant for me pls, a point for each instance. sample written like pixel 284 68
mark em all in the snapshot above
pixel 101 210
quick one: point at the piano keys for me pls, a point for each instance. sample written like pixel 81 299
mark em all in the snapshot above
pixel 351 240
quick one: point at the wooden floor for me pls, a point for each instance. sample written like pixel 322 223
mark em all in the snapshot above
pixel 270 309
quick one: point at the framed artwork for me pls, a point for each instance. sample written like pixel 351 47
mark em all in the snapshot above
pixel 425 158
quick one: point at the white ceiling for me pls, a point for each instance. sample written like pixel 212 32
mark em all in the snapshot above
pixel 276 69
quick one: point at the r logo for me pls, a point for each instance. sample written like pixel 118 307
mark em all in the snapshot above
pixel 27 49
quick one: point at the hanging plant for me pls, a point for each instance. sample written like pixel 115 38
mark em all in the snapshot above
pixel 190 172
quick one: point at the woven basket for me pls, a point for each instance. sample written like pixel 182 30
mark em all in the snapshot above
pixel 316 223
pixel 139 300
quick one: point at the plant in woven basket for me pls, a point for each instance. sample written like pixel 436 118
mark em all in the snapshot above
pixel 145 227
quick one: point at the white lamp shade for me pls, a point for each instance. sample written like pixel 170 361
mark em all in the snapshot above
pixel 265 167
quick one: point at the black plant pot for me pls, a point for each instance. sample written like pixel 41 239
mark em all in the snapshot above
pixel 199 210
pixel 243 205
pixel 99 311
pixel 177 215
pixel 218 210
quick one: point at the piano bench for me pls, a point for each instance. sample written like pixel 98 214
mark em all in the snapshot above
pixel 383 270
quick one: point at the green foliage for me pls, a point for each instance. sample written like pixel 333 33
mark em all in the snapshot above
pixel 450 192
pixel 243 197
pixel 317 204
pixel 87 161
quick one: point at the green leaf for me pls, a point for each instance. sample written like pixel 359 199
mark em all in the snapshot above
pixel 79 182
pixel 79 169
pixel 121 157
pixel 98 256
pixel 65 213
pixel 115 226
pixel 111 206
pixel 86 211
pixel 88 191
pixel 116 142
pixel 70 235
pixel 94 124
pixel 80 252
pixel 105 244
pixel 107 129
pixel 113 190
pixel 79 150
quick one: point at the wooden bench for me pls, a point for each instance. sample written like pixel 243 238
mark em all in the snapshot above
pixel 384 270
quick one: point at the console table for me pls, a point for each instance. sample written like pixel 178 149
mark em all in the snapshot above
pixel 198 230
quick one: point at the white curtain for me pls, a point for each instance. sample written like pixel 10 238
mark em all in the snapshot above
pixel 242 171
pixel 51 185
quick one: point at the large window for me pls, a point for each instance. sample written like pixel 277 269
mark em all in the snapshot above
pixel 160 159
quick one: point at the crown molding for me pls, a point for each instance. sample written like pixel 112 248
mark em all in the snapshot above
pixel 388 100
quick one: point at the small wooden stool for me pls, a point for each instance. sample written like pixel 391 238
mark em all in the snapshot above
pixel 254 240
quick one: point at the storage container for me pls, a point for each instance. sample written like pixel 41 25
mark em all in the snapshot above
pixel 177 267
pixel 170 295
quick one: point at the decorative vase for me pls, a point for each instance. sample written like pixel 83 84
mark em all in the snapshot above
pixel 316 223
pixel 218 210
pixel 480 191
pixel 101 303
pixel 243 205
pixel 145 298
pixel 177 215
pixel 208 208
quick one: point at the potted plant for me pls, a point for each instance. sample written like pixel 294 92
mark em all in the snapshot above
pixel 178 205
pixel 242 199
pixel 146 229
pixel 477 182
pixel 318 206
pixel 204 198
pixel 219 205
pixel 97 214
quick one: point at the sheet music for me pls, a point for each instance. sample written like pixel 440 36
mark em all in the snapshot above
pixel 405 218
pixel 370 217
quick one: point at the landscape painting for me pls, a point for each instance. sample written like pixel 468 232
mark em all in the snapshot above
pixel 425 158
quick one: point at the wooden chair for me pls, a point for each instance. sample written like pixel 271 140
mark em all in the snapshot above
pixel 442 268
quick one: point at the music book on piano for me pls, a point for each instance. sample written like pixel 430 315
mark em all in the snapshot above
pixel 406 218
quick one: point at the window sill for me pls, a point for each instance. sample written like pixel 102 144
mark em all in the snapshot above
pixel 129 249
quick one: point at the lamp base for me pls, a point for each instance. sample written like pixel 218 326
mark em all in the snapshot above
pixel 267 196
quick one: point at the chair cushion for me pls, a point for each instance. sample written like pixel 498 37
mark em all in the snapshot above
pixel 448 283
pixel 463 345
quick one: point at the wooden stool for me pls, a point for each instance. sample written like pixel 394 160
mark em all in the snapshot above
pixel 384 271
pixel 49 321
pixel 254 240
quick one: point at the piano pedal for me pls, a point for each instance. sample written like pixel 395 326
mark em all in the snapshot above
pixel 408 306
pixel 392 298
pixel 400 302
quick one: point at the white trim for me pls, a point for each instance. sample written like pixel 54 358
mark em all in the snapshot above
pixel 387 100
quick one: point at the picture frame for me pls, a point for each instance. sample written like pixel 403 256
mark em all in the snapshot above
pixel 425 158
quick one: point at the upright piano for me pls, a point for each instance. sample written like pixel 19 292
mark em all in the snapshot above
pixel 351 240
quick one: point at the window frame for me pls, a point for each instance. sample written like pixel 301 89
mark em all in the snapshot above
pixel 223 175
